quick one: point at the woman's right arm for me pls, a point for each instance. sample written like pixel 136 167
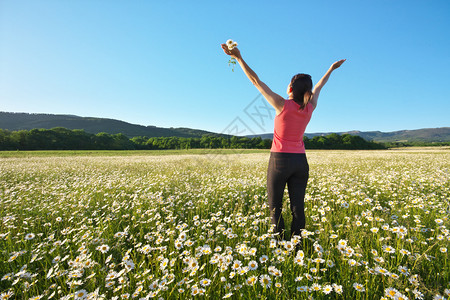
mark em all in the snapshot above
pixel 273 98
pixel 318 87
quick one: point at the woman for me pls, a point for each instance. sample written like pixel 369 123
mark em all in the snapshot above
pixel 288 163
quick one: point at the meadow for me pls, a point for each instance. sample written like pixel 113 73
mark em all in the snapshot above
pixel 186 225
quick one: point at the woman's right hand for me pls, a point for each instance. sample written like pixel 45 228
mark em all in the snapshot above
pixel 234 53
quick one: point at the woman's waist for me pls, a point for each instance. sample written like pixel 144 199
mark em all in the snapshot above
pixel 276 154
pixel 287 146
pixel 288 137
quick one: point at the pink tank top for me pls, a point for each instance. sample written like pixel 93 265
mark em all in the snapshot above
pixel 289 128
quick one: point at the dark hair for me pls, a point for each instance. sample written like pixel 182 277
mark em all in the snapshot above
pixel 301 84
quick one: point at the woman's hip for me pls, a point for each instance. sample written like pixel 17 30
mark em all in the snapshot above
pixel 288 162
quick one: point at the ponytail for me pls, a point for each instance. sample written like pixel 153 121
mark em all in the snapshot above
pixel 301 89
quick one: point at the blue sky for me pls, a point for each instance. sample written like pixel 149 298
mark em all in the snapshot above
pixel 160 63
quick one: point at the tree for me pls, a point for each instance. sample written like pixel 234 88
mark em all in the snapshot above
pixel 205 141
pixel 139 142
pixel 6 141
pixel 121 142
pixel 334 139
pixel 103 140
pixel 60 138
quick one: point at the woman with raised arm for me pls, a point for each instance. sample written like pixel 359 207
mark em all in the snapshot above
pixel 288 163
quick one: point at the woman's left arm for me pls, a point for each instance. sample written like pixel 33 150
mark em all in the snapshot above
pixel 273 98
pixel 318 87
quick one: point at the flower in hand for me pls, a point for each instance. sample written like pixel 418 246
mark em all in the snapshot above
pixel 231 44
pixel 230 49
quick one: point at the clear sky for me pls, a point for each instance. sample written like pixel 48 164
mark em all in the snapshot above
pixel 160 62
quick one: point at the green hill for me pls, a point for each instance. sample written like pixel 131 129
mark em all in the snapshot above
pixel 441 134
pixel 26 121
pixel 426 135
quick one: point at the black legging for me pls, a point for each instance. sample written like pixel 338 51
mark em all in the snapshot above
pixel 293 169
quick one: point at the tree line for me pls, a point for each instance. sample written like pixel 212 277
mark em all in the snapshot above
pixel 415 144
pixel 65 139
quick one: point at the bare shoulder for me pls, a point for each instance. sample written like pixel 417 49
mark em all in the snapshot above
pixel 314 98
pixel 281 108
pixel 273 98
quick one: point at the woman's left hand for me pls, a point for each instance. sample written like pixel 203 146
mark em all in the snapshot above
pixel 337 64
pixel 234 53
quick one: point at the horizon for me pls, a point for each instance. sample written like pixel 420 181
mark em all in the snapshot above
pixel 161 64
pixel 263 133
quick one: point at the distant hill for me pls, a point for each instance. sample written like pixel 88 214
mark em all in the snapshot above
pixel 26 121
pixel 429 135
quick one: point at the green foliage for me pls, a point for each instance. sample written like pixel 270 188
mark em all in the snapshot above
pixel 232 63
pixel 344 142
pixel 416 144
pixel 65 139
pixel 62 139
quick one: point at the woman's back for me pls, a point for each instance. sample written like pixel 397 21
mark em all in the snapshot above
pixel 289 127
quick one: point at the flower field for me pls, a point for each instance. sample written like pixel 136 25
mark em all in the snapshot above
pixel 196 226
